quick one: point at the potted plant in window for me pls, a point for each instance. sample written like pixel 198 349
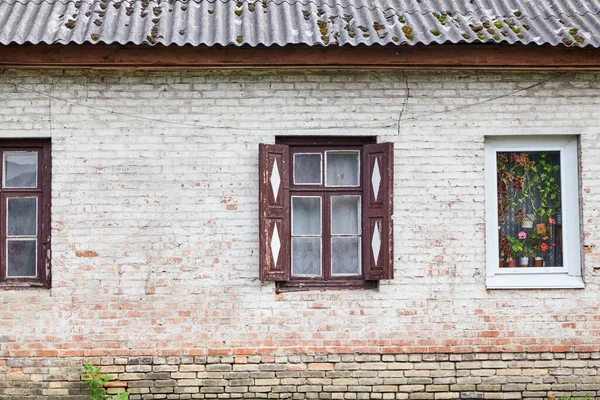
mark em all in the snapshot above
pixel 537 242
pixel 539 257
pixel 544 247
pixel 519 247
pixel 541 247
pixel 527 221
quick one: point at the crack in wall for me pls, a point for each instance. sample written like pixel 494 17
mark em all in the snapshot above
pixel 405 103
pixel 50 107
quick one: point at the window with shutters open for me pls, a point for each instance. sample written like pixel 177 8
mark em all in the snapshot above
pixel 325 212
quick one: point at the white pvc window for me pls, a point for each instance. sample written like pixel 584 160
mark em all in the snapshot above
pixel 533 237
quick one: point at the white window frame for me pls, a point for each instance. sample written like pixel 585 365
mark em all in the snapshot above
pixel 569 275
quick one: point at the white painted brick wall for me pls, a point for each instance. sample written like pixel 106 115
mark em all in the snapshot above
pixel 171 211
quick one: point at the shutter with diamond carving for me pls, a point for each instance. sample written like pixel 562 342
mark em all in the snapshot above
pixel 378 243
pixel 274 223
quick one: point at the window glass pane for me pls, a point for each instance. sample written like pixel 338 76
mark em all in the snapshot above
pixel 342 168
pixel 345 256
pixel 306 216
pixel 20 170
pixel 22 214
pixel 21 257
pixel 344 215
pixel 306 256
pixel 307 169
pixel 529 209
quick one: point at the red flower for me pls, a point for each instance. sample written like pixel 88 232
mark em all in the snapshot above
pixel 544 247
pixel 552 220
pixel 553 244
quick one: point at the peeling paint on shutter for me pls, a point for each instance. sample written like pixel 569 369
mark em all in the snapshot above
pixel 378 243
pixel 274 223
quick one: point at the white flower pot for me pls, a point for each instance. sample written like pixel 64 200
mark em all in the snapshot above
pixel 524 261
pixel 527 221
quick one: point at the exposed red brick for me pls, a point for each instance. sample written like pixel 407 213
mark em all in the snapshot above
pixel 321 366
pixel 46 353
pixel 115 384
pixel 87 253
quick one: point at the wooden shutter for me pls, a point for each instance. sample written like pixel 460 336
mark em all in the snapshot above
pixel 378 182
pixel 274 220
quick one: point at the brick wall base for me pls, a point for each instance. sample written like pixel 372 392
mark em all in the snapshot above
pixel 347 376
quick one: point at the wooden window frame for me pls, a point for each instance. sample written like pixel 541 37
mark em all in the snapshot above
pixel 569 275
pixel 42 192
pixel 322 145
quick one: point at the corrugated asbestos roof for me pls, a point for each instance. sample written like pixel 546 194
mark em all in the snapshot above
pixel 310 22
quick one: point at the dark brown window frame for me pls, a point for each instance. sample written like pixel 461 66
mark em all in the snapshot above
pixel 43 192
pixel 321 145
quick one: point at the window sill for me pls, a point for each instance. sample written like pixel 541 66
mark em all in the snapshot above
pixel 33 286
pixel 535 281
pixel 297 286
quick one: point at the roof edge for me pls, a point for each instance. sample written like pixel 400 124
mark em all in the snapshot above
pixel 436 57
